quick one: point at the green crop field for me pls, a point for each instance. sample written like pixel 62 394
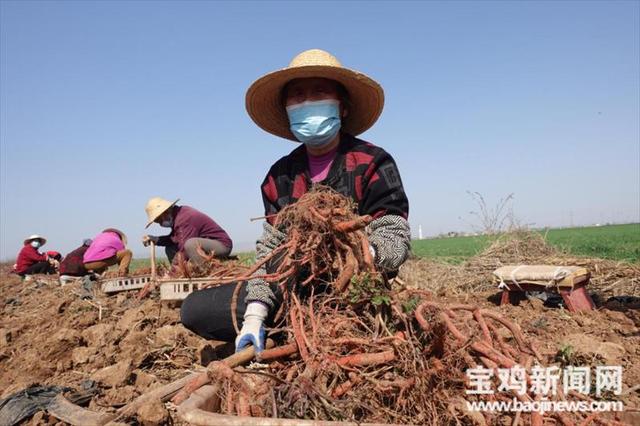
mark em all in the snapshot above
pixel 617 242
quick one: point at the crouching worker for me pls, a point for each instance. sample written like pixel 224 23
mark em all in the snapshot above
pixel 31 261
pixel 72 266
pixel 190 229
pixel 324 106
pixel 108 248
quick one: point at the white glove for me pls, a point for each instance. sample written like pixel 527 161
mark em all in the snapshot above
pixel 252 332
pixel 147 239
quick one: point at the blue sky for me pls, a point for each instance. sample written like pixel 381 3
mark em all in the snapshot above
pixel 106 104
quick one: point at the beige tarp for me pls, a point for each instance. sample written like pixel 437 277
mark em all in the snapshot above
pixel 547 275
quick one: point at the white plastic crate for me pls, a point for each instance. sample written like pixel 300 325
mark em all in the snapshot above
pixel 124 284
pixel 179 289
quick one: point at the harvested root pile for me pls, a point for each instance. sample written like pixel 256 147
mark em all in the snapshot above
pixel 325 242
pixel 385 365
pixel 352 348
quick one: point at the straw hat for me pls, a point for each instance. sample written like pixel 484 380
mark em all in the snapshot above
pixel 155 207
pixel 36 237
pixel 264 97
pixel 123 237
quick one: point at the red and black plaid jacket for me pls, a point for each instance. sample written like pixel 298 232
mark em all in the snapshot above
pixel 360 170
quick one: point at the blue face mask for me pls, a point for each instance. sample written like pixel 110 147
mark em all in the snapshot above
pixel 315 123
pixel 35 244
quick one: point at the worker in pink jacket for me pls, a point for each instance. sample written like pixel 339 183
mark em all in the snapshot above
pixel 108 248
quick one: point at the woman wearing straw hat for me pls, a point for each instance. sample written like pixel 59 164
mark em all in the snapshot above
pixel 108 248
pixel 323 105
pixel 31 261
pixel 191 230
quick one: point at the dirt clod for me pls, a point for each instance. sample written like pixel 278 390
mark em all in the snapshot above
pixel 114 375
pixel 592 348
pixel 153 414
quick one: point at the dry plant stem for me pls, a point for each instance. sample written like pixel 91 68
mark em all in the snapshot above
pixel 62 409
pixel 269 216
pixel 234 306
pixel 162 393
pixel 201 379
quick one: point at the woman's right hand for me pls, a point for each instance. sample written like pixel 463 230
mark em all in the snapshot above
pixel 147 239
pixel 252 332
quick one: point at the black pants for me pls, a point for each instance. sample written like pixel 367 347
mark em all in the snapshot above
pixel 208 312
pixel 39 268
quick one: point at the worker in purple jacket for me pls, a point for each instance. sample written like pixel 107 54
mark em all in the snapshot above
pixel 190 229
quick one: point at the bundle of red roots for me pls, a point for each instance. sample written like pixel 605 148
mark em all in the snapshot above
pixel 353 346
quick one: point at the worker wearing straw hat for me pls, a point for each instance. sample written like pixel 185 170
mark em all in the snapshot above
pixel 319 103
pixel 31 261
pixel 191 231
pixel 108 248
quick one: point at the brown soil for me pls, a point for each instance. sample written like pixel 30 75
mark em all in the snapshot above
pixel 48 335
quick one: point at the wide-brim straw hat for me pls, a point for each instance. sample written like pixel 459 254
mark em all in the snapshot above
pixel 36 237
pixel 155 207
pixel 123 237
pixel 265 105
